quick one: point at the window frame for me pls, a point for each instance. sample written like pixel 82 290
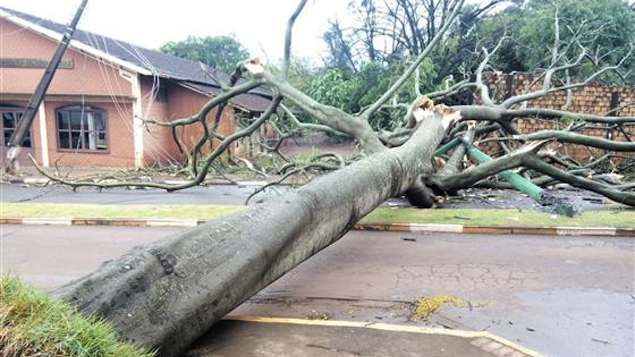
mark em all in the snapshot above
pixel 81 108
pixel 14 109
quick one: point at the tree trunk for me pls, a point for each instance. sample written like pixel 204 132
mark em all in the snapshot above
pixel 167 294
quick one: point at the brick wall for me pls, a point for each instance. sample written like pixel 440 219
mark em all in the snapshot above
pixel 593 99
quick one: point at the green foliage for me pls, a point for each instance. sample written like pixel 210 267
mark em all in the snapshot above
pixel 219 52
pixel 353 91
pixel 606 26
pixel 333 87
pixel 568 119
pixel 34 324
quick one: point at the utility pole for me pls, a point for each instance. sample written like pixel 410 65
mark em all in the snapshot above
pixel 23 127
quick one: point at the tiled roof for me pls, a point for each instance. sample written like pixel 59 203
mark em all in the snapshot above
pixel 160 64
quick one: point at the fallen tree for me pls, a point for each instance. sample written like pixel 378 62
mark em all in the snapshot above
pixel 167 294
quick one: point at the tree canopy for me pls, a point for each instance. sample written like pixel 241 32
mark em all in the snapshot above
pixel 606 28
pixel 220 52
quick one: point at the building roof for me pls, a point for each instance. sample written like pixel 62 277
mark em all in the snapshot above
pixel 138 59
pixel 248 101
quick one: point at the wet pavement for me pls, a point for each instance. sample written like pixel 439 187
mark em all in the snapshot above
pixel 305 339
pixel 564 296
pixel 238 194
pixel 218 194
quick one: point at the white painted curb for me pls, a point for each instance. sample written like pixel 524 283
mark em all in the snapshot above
pixel 35 181
pixel 171 223
pixel 436 228
pixel 48 221
pixel 586 231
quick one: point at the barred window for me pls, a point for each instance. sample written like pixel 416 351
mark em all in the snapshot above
pixel 81 128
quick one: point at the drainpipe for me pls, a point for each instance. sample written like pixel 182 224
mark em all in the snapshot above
pixel 44 141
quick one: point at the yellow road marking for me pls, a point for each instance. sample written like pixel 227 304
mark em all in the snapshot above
pixel 386 327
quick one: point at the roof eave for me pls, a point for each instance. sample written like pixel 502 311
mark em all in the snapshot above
pixel 75 44
pixel 233 104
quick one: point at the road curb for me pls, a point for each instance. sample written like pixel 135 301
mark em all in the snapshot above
pixel 382 227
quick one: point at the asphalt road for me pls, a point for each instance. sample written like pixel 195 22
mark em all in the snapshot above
pixel 219 194
pixel 566 296
pixel 237 195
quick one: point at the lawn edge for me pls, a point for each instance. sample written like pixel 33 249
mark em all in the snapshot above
pixel 383 227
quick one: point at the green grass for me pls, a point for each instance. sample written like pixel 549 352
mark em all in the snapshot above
pixel 471 217
pixel 34 324
pixel 55 210
pixel 502 217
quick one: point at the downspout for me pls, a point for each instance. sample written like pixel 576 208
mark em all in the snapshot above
pixel 44 142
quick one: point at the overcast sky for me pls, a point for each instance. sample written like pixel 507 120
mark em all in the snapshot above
pixel 258 24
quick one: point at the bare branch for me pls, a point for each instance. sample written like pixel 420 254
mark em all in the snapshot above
pixel 367 113
pixel 573 138
pixel 535 163
pixel 289 37
pixel 484 89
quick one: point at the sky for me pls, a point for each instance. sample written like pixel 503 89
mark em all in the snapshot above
pixel 257 24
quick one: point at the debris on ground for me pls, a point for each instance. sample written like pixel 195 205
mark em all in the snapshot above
pixel 425 307
pixel 317 315
pixel 600 341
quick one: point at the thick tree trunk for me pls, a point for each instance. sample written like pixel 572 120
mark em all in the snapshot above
pixel 169 293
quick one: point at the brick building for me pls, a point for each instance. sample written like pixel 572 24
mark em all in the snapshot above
pixel 92 113
pixel 595 98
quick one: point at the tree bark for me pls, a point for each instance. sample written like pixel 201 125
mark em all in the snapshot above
pixel 167 294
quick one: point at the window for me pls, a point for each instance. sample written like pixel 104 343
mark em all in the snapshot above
pixel 81 128
pixel 10 119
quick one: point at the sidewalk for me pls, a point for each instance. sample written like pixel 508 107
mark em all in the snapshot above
pixel 260 337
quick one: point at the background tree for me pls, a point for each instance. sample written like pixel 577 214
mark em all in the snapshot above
pixel 219 52
pixel 606 28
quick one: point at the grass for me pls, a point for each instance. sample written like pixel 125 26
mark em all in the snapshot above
pixel 503 217
pixel 471 217
pixel 55 210
pixel 34 324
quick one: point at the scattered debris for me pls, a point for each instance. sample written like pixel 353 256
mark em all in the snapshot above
pixel 425 307
pixel 407 239
pixel 334 350
pixel 600 341
pixel 316 315
pixel 463 218
pixel 530 329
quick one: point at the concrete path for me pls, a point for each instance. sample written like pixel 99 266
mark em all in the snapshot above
pixel 559 296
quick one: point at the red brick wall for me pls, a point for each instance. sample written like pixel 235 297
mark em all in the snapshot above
pixel 87 77
pixel 592 99
pixel 119 135
pixel 158 145
pixel 183 103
